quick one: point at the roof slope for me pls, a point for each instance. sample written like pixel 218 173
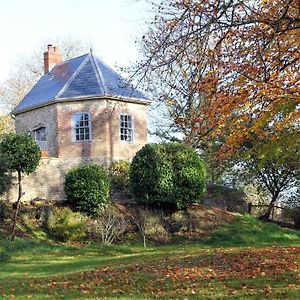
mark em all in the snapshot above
pixel 83 76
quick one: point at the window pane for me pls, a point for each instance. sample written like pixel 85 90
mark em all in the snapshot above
pixel 82 126
pixel 40 134
pixel 126 132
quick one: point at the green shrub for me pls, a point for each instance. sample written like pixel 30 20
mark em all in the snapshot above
pixel 119 175
pixel 65 225
pixel 87 188
pixel 170 174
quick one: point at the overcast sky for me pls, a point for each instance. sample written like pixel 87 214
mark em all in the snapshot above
pixel 110 26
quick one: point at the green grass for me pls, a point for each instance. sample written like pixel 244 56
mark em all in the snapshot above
pixel 249 231
pixel 244 260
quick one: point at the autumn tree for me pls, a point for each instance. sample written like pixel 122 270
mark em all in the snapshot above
pixel 21 155
pixel 227 71
pixel 225 67
pixel 5 124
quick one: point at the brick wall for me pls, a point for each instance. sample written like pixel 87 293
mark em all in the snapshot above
pixel 126 150
pixel 105 114
pixel 69 148
pixel 106 146
pixel 105 129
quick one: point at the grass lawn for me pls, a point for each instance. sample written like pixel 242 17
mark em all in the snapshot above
pixel 246 259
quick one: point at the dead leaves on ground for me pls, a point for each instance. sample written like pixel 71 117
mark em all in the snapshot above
pixel 270 271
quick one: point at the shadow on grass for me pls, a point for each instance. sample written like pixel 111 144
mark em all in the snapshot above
pixel 34 258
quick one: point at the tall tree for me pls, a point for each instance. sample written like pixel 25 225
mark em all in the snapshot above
pixel 5 124
pixel 225 66
pixel 228 72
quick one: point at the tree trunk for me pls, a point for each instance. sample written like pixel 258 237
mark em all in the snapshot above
pixel 266 215
pixel 18 206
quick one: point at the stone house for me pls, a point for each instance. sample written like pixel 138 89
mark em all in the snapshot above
pixel 80 111
pixel 81 108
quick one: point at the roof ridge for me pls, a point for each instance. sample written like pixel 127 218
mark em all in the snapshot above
pixel 99 75
pixel 111 69
pixel 67 84
pixel 127 84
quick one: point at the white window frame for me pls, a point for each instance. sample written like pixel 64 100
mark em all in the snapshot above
pixel 74 126
pixel 132 128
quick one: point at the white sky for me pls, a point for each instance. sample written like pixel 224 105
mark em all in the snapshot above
pixel 111 26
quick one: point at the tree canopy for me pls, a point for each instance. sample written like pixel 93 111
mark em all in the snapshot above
pixel 228 73
pixel 226 69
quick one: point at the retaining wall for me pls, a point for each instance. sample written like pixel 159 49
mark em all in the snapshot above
pixel 47 181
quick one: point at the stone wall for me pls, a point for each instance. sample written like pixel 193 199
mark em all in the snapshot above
pixel 28 121
pixel 48 180
pixel 226 198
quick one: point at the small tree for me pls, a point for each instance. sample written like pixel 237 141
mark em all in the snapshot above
pixel 109 225
pixel 273 165
pixel 22 155
pixel 150 224
pixel 139 218
pixel 169 174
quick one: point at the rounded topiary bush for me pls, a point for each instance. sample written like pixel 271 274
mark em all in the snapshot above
pixel 169 174
pixel 87 188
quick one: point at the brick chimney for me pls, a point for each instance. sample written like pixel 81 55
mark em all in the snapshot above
pixel 51 58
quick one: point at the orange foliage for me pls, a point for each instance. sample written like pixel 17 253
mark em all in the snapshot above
pixel 240 58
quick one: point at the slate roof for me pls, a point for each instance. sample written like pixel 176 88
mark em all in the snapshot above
pixel 83 76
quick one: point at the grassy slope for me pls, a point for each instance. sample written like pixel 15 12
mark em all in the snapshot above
pixel 201 269
pixel 249 231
